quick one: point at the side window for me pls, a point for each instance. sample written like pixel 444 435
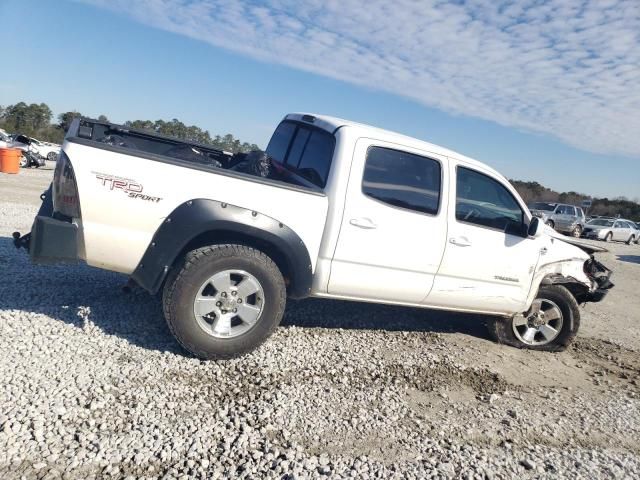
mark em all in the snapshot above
pixel 580 212
pixel 617 225
pixel 571 211
pixel 402 179
pixel 484 201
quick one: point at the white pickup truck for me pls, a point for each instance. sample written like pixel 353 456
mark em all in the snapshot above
pixel 333 209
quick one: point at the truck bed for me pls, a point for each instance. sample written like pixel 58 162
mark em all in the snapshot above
pixel 130 183
pixel 157 147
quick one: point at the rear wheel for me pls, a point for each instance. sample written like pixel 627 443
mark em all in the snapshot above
pixel 550 223
pixel 24 162
pixel 550 324
pixel 52 156
pixel 224 301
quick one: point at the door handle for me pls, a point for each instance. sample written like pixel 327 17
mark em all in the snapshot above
pixel 460 241
pixel 364 222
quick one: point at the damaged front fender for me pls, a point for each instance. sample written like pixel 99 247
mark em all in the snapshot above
pixel 574 268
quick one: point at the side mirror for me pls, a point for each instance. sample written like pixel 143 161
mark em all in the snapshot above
pixel 535 228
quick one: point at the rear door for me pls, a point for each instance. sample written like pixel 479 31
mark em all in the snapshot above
pixel 489 260
pixel 394 226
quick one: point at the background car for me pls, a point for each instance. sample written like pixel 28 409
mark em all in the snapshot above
pixel 609 229
pixel 5 140
pixel 30 156
pixel 45 150
pixel 48 150
pixel 560 216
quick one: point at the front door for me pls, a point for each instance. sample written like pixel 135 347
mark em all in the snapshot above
pixel 489 261
pixel 394 224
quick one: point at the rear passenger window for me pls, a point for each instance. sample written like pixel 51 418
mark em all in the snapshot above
pixel 402 179
pixel 483 201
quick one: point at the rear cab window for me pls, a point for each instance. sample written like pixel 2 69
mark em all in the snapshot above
pixel 303 152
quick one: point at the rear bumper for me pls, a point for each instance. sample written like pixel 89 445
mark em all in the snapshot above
pixel 50 241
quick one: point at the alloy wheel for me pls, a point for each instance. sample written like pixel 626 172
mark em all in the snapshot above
pixel 229 303
pixel 540 325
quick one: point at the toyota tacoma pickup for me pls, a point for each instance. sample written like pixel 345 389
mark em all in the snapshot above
pixel 331 209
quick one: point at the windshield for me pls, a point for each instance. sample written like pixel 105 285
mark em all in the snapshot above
pixel 601 222
pixel 547 207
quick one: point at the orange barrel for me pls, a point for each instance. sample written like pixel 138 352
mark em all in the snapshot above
pixel 10 160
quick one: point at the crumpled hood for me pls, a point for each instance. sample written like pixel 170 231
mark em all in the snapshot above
pixel 584 248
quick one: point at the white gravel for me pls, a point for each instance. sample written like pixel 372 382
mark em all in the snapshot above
pixel 94 386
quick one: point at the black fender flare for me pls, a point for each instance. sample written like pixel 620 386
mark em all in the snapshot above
pixel 196 217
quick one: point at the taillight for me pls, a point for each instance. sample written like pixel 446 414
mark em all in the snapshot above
pixel 65 190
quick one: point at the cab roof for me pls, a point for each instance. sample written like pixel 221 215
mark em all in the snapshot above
pixel 331 124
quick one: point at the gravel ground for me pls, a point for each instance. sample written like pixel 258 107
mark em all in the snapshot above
pixel 94 386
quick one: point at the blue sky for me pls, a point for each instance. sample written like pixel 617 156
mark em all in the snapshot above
pixel 540 90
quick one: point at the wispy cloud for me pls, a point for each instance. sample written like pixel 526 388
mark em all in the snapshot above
pixel 569 68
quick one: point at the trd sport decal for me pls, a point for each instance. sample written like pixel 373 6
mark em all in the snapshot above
pixel 132 188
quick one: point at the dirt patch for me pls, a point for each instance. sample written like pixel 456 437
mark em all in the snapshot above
pixel 609 363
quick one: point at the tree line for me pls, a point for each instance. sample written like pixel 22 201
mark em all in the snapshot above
pixel 610 207
pixel 35 120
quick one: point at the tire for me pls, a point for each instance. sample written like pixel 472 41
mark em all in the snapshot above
pixel 551 224
pixel 631 240
pixel 188 283
pixel 576 232
pixel 608 237
pixel 52 156
pixel 24 162
pixel 504 330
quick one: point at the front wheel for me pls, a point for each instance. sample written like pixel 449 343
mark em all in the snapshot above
pixel 24 162
pixel 550 324
pixel 576 232
pixel 631 240
pixel 608 237
pixel 224 300
pixel 550 223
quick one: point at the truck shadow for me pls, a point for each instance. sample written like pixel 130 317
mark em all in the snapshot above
pixel 88 298
pixel 629 258
pixel 324 313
